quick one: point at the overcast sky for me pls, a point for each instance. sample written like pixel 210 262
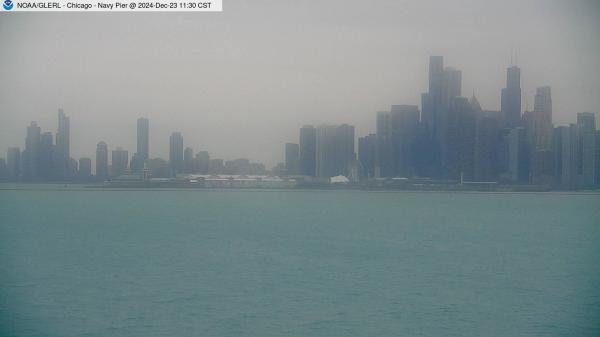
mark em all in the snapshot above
pixel 242 82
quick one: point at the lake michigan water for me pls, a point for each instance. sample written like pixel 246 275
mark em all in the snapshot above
pixel 81 262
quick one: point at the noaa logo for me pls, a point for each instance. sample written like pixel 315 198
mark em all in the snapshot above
pixel 8 4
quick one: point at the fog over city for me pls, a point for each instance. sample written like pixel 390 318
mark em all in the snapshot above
pixel 242 82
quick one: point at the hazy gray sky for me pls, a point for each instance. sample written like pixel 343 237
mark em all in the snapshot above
pixel 240 83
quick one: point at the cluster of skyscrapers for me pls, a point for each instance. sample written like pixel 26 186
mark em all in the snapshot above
pixel 453 139
pixel 46 160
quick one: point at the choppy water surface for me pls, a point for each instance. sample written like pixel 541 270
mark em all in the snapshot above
pixel 298 263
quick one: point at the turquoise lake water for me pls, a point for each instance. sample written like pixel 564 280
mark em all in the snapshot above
pixel 83 262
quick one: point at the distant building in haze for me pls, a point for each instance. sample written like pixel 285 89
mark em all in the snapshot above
pixel 137 163
pixel 308 150
pixel 404 120
pixel 588 161
pixel 63 147
pixel 292 158
pixel 201 162
pixel 432 101
pixel 335 150
pixel 3 169
pixel 13 163
pixel 120 161
pixel 216 166
pixel 570 156
pixel 518 153
pixel 367 150
pixel 101 161
pixel 85 168
pixel 457 149
pixel 188 160
pixel 176 153
pixel 46 156
pixel 31 155
pixel 510 98
pixel 452 85
pixel 540 123
pixel 384 159
pixel 143 138
pixel 485 159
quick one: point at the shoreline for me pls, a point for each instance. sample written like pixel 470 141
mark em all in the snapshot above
pixel 31 186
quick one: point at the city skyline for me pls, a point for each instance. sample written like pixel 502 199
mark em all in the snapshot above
pixel 231 71
pixel 451 138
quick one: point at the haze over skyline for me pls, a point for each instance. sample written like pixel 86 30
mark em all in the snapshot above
pixel 240 83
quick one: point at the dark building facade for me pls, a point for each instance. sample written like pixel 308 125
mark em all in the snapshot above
pixel 292 158
pixel 335 150
pixel 143 139
pixel 46 157
pixel 367 150
pixel 31 155
pixel 63 147
pixel 101 161
pixel 85 168
pixel 510 98
pixel 13 163
pixel 404 120
pixel 120 161
pixel 308 150
pixel 176 153
pixel 384 156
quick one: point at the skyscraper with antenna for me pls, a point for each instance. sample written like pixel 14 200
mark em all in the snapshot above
pixel 510 102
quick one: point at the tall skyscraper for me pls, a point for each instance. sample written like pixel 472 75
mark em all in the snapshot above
pixel 101 161
pixel 308 150
pixel 384 158
pixel 586 123
pixel 31 155
pixel 367 149
pixel 188 160
pixel 485 163
pixel 202 161
pixel 458 140
pixel 539 135
pixel 335 150
pixel 570 156
pixel 510 98
pixel 452 85
pixel 143 138
pixel 557 149
pixel 444 85
pixel 13 163
pixel 85 168
pixel 3 170
pixel 73 168
pixel 518 153
pixel 47 156
pixel 176 153
pixel 432 101
pixel 292 155
pixel 63 152
pixel 120 161
pixel 542 121
pixel 404 120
